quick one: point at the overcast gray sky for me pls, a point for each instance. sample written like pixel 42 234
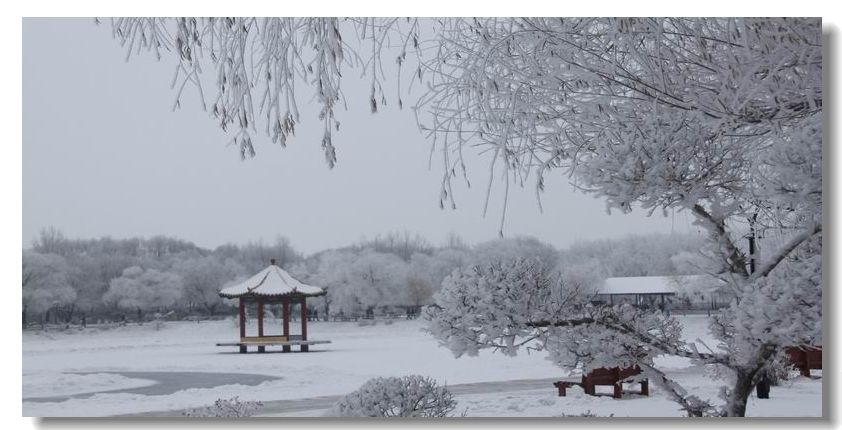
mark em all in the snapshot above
pixel 104 155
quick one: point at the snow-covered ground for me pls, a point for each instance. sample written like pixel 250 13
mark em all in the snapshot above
pixel 75 369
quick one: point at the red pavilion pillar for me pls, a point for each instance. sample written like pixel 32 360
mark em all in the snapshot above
pixel 260 348
pixel 304 318
pixel 242 324
pixel 304 347
pixel 286 348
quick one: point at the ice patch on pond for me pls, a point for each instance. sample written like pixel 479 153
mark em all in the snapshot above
pixel 48 384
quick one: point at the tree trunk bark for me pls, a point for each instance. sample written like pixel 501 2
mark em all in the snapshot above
pixel 747 379
pixel 739 396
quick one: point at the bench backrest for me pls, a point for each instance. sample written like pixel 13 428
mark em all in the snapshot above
pixel 611 375
pixel 263 339
pixel 809 357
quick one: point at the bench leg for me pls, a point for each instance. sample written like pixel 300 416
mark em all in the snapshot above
pixel 287 348
pixel 763 387
pixel 644 387
pixel 243 349
pixel 261 348
pixel 588 387
pixel 618 390
pixel 305 348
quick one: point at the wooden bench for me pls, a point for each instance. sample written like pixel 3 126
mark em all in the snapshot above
pixel 805 358
pixel 263 341
pixel 604 376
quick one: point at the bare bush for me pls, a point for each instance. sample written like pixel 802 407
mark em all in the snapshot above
pixel 230 408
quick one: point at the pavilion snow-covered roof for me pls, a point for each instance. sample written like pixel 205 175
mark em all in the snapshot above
pixel 658 284
pixel 271 282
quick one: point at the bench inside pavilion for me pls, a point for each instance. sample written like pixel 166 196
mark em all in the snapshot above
pixel 270 287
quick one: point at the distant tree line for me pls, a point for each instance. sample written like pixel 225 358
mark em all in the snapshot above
pixel 84 280
pixel 81 281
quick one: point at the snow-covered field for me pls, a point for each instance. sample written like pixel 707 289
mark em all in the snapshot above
pixel 69 373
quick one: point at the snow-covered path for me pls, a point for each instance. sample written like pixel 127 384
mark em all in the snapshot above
pixel 280 407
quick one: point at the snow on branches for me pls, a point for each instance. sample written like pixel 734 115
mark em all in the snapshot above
pixel 717 116
pixel 516 304
pixel 408 396
pixel 260 63
pixel 658 111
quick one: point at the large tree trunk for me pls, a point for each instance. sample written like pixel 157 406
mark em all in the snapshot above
pixel 747 379
pixel 743 386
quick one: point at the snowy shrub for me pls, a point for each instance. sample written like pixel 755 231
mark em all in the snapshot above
pixel 408 396
pixel 231 408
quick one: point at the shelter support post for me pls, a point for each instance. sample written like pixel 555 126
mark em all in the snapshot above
pixel 304 348
pixel 242 309
pixel 286 348
pixel 260 348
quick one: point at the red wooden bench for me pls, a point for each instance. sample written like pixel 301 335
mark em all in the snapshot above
pixel 614 377
pixel 805 358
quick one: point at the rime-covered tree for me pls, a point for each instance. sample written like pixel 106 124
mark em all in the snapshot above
pixel 203 277
pixel 518 304
pixel 717 117
pixel 499 250
pixel 46 283
pixel 639 255
pixel 404 245
pixel 377 279
pixel 144 290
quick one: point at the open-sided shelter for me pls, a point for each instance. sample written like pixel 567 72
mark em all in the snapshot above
pixel 272 286
pixel 694 291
